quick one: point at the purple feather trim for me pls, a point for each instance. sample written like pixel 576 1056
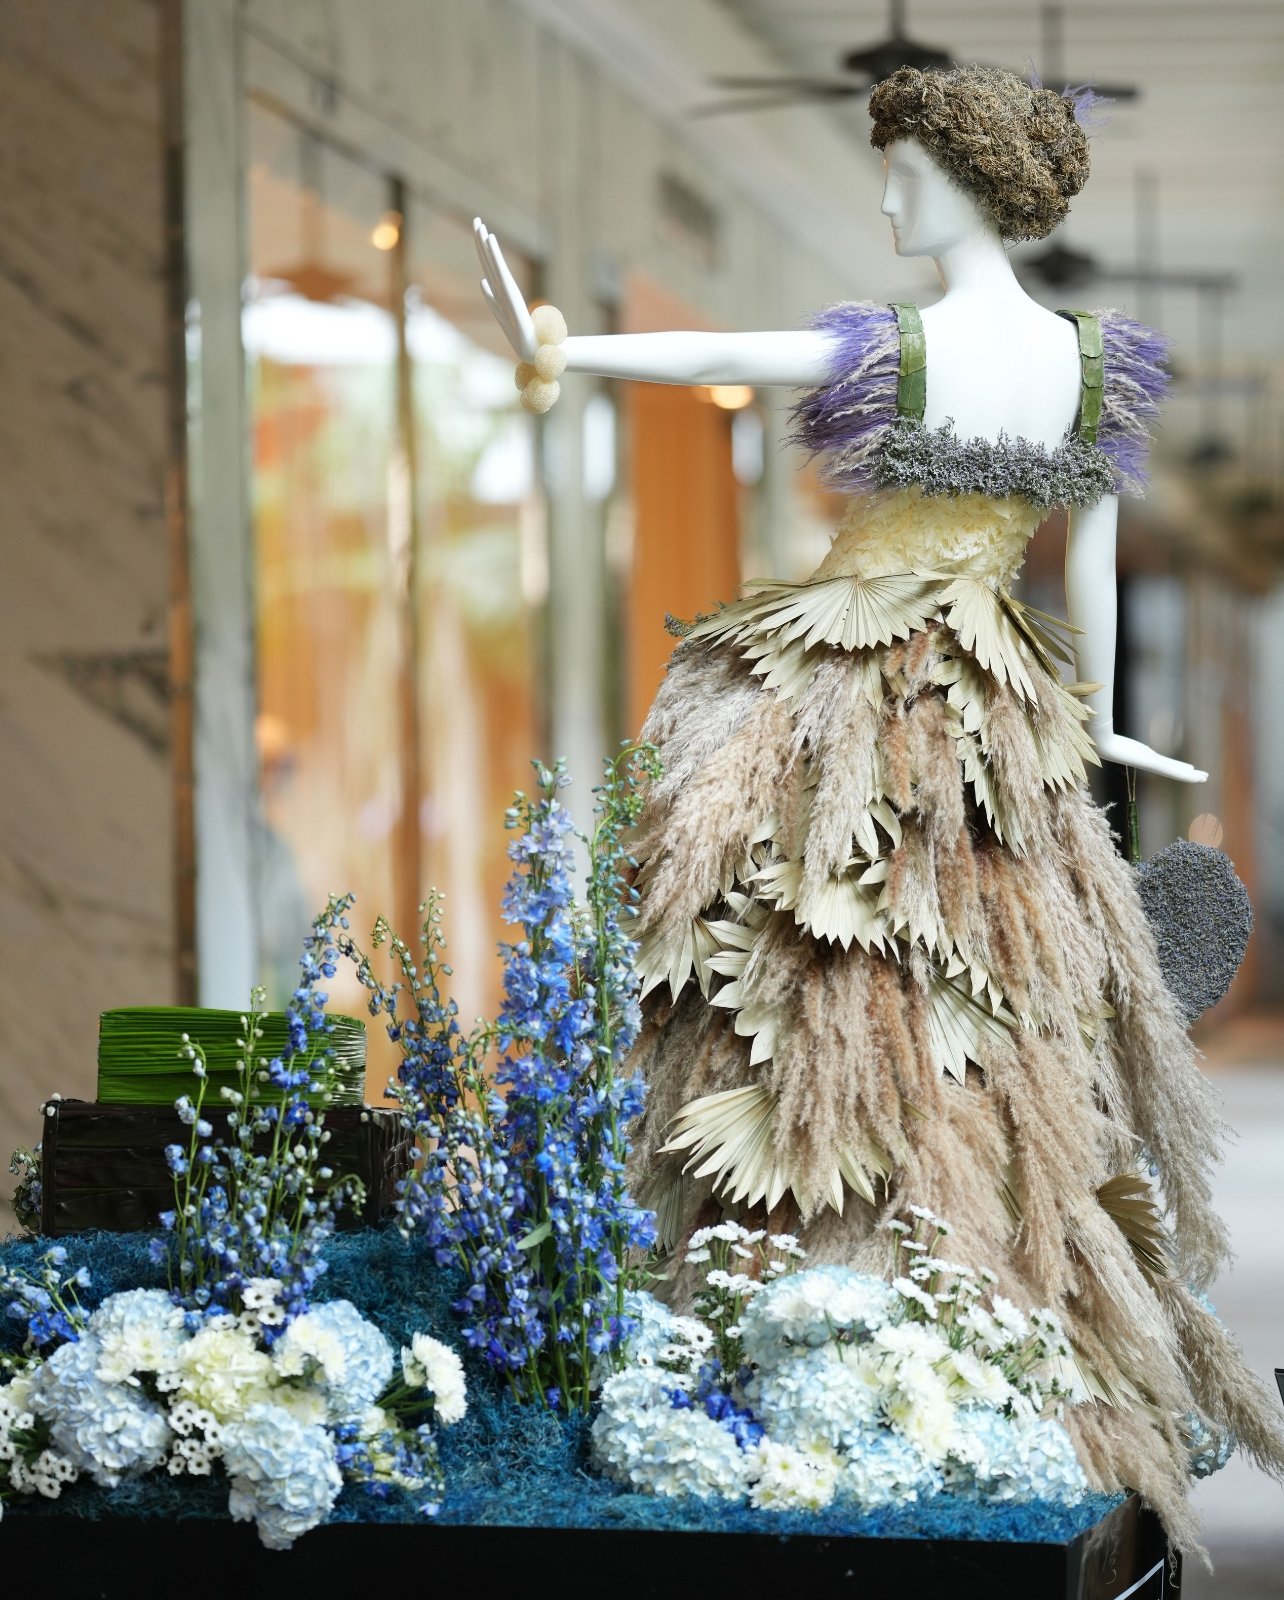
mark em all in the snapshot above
pixel 1089 106
pixel 1136 384
pixel 851 415
pixel 1087 103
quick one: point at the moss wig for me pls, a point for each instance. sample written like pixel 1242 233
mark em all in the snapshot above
pixel 1016 148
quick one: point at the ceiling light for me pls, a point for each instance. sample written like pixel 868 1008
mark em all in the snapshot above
pixel 387 231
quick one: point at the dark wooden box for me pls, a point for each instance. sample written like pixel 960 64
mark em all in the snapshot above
pixel 103 1166
pixel 1123 1555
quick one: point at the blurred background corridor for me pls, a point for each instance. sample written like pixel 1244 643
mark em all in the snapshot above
pixel 294 591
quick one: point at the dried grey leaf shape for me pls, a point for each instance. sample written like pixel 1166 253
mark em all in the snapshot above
pixel 1201 916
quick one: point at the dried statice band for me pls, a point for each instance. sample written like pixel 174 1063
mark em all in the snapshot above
pixel 940 463
pixel 537 379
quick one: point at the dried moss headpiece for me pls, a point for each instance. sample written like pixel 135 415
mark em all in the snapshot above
pixel 1015 147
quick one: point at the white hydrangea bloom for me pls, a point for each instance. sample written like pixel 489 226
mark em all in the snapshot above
pixel 283 1474
pixel 653 1323
pixel 810 1308
pixel 104 1429
pixel 998 1458
pixel 829 1394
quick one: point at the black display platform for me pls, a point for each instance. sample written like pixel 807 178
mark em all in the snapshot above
pixel 1125 1557
pixel 103 1166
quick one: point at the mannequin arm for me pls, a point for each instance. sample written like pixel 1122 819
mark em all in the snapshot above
pixel 796 359
pixel 1093 604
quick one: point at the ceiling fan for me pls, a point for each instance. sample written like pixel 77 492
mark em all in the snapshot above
pixel 862 69
pixel 870 64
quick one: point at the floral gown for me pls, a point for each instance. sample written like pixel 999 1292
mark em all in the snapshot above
pixel 890 953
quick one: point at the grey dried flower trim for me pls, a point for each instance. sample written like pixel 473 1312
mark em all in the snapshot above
pixel 940 463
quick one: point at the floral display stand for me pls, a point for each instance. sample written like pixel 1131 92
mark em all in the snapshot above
pixel 1124 1555
pixel 241 1394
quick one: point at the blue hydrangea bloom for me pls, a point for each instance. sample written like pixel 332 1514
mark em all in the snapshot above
pixel 283 1471
pixel 367 1356
pixel 105 1429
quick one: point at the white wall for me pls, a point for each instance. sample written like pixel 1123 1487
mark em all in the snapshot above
pixel 86 796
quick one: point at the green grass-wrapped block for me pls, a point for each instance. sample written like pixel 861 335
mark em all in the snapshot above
pixel 139 1062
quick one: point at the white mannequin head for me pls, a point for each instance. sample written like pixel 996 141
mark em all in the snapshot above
pixel 929 212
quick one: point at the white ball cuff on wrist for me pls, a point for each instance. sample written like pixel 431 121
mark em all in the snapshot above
pixel 537 379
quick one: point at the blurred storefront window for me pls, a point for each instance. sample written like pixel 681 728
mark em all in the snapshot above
pixel 481 582
pixel 321 340
pixel 398 562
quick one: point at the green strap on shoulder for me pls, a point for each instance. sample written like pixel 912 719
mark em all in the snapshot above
pixel 1092 367
pixel 911 386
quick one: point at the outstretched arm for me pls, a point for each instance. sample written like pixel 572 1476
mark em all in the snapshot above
pixel 1092 599
pixel 799 358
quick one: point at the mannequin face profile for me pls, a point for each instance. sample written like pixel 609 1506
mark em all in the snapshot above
pixel 928 211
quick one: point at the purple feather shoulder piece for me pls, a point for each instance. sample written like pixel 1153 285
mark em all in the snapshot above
pixel 1136 384
pixel 852 419
pixel 849 418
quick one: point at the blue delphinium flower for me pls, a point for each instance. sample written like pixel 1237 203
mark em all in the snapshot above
pixel 45 1305
pixel 712 1395
pixel 521 1181
pixel 260 1203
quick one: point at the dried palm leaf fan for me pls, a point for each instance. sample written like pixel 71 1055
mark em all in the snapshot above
pixel 139 1064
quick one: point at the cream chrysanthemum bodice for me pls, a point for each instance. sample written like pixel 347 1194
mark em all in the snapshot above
pixel 904 530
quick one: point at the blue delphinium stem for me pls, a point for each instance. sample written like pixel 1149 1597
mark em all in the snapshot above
pixel 260 1202
pixel 521 1175
pixel 44 1303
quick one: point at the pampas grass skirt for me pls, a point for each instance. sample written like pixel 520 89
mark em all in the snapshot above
pixel 984 854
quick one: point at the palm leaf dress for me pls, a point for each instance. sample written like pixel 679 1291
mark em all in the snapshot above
pixel 890 952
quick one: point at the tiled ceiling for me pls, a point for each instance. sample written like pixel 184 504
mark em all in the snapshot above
pixel 1205 138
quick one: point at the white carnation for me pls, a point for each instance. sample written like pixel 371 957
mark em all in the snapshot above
pixel 786 1478
pixel 429 1364
pixel 219 1370
pixel 138 1331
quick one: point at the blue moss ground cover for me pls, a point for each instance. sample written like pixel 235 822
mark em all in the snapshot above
pixel 506 1464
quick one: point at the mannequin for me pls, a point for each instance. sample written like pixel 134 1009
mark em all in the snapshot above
pixel 993 348
pixel 890 954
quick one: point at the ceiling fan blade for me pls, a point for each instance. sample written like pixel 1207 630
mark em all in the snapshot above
pixel 1116 91
pixel 833 85
pixel 770 102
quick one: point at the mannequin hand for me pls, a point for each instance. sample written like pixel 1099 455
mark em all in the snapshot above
pixel 1112 746
pixel 502 294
